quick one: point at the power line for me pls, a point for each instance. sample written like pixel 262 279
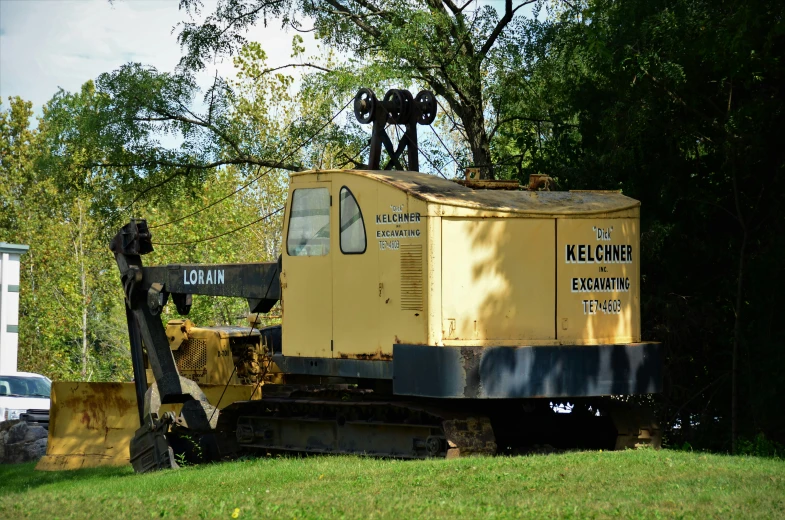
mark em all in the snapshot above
pixel 431 162
pixel 191 242
pixel 457 164
pixel 300 147
pixel 226 232
pixel 419 150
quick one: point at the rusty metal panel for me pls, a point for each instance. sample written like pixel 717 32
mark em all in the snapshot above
pixel 453 197
pixel 400 235
pixel 522 372
pixel 598 273
pixel 411 277
pixel 92 424
pixel 206 356
pixel 352 368
pixel 433 279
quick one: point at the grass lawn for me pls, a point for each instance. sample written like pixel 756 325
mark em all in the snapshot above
pixel 633 484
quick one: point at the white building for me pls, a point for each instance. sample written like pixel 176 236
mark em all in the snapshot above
pixel 9 305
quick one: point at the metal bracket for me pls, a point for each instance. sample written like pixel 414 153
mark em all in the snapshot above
pixel 398 107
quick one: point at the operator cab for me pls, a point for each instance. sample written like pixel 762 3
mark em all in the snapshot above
pixel 375 259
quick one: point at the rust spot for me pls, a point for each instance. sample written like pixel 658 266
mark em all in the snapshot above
pixel 92 401
pixel 371 356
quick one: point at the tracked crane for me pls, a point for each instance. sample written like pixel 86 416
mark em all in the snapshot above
pixel 422 317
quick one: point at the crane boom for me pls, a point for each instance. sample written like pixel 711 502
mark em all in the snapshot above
pixel 147 290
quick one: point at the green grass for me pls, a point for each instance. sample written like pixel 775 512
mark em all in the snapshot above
pixel 633 484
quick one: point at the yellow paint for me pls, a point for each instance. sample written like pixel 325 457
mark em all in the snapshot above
pixel 433 280
pixel 204 354
pixel 364 302
pixel 589 323
pixel 446 265
pixel 498 279
pixel 306 288
pixel 91 424
pixel 355 284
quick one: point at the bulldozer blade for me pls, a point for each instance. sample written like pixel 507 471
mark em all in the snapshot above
pixel 92 424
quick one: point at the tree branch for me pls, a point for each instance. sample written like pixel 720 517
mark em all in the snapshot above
pixel 224 162
pixel 373 31
pixel 500 122
pixel 289 65
pixel 508 14
pixel 197 121
pixel 464 6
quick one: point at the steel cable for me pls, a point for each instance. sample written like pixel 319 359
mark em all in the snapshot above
pixel 191 242
pixel 419 150
pixel 287 156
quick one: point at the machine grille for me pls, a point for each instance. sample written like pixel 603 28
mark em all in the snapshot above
pixel 411 277
pixel 192 355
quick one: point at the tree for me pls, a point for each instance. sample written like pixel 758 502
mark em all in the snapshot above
pixel 458 52
pixel 16 156
pixel 680 105
pixel 72 319
pixel 68 327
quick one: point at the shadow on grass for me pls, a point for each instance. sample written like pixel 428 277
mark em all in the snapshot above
pixel 17 478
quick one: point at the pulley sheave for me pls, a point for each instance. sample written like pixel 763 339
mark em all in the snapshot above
pixel 364 105
pixel 398 107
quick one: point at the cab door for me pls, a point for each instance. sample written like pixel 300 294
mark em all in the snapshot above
pixel 306 274
pixel 356 290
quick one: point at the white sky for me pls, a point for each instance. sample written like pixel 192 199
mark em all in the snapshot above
pixel 46 44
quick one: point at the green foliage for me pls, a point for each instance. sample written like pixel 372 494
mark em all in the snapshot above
pixel 66 202
pixel 632 484
pixel 69 326
pixel 16 156
pixel 462 53
pixel 680 105
pixel 760 446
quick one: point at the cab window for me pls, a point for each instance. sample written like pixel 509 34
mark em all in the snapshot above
pixel 352 226
pixel 309 223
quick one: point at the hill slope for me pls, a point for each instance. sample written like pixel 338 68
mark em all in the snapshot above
pixel 642 484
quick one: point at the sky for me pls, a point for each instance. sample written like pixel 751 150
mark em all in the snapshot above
pixel 51 44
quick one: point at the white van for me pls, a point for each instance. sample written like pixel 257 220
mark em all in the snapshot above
pixel 24 395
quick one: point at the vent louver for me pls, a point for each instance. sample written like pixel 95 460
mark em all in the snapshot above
pixel 411 277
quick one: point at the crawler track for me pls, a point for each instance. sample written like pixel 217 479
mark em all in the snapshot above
pixel 330 421
pixel 342 420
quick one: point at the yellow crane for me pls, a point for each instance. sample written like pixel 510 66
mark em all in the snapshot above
pixel 422 317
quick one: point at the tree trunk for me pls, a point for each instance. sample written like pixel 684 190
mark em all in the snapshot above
pixel 480 146
pixel 736 341
pixel 83 273
pixel 737 323
pixel 474 123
